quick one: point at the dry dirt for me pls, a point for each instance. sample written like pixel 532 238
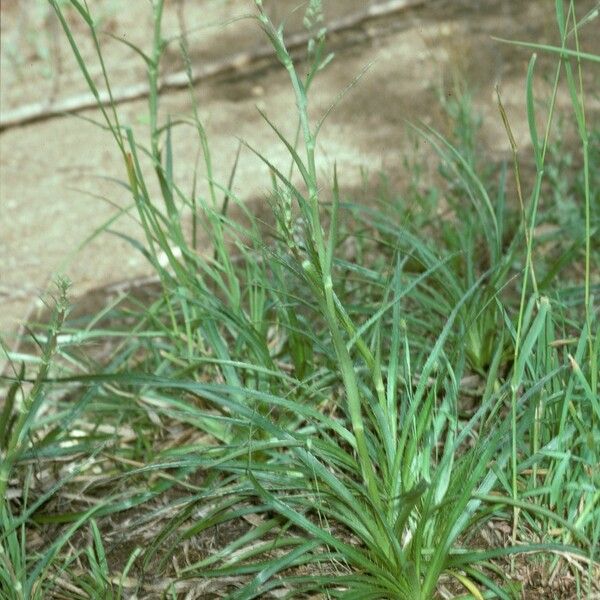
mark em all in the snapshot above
pixel 55 187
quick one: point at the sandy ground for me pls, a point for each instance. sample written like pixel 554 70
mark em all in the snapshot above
pixel 55 188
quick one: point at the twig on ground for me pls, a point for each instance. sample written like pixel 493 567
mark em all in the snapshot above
pixel 38 111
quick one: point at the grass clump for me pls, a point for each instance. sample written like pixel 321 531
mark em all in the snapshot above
pixel 287 420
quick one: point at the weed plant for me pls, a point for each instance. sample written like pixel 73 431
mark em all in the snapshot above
pixel 419 419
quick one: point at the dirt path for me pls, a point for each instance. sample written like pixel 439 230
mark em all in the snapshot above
pixel 53 173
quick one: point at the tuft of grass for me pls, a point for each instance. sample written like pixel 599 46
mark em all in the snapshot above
pixel 287 418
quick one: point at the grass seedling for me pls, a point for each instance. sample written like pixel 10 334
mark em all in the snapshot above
pixel 287 419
